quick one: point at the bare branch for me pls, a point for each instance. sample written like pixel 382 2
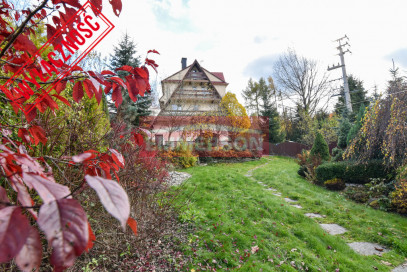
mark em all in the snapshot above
pixel 300 81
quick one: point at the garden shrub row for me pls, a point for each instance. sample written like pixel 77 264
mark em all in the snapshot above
pixel 228 155
pixel 352 172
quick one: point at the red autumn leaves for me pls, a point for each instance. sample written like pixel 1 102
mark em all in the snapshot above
pixel 32 193
pixel 23 48
pixel 61 218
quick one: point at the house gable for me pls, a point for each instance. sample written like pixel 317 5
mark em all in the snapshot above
pixel 193 82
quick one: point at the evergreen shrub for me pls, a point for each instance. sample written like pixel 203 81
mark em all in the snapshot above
pixel 320 148
pixel 352 172
pixel 337 154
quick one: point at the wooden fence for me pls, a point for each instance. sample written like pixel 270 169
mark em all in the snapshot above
pixel 292 149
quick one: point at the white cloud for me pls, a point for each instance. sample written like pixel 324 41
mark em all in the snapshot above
pixel 223 33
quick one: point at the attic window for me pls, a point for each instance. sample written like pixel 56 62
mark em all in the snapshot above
pixel 176 107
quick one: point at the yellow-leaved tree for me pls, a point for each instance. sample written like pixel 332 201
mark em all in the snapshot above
pixel 238 121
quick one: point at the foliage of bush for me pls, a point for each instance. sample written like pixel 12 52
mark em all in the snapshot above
pixel 320 148
pixel 308 164
pixel 337 154
pixel 383 132
pixel 344 128
pixel 181 156
pixel 351 172
pixel 335 184
pixel 399 196
pixel 380 187
pixel 303 171
pixel 232 154
pixel 304 157
pixel 358 194
pixel 303 160
pixel 375 193
pixel 357 125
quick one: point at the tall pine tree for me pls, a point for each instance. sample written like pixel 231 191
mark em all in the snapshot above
pixel 129 111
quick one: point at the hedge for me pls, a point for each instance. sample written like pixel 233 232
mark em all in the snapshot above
pixel 352 172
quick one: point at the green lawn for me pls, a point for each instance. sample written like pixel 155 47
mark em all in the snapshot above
pixel 233 214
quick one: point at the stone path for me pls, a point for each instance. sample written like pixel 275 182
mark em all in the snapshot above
pixel 400 268
pixel 313 215
pixel 333 229
pixel 363 248
pixel 366 249
pixel 177 178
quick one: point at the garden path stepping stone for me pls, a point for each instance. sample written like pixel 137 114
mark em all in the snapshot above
pixel 297 206
pixel 333 229
pixel 290 200
pixel 277 194
pixel 313 215
pixel 366 248
pixel 271 189
pixel 400 268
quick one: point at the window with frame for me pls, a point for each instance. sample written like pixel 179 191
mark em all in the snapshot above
pixel 176 107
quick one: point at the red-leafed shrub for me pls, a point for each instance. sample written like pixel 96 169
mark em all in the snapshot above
pixel 225 155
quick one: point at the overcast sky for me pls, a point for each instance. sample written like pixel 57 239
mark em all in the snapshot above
pixel 242 38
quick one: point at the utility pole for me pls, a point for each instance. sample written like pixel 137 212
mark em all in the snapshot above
pixel 341 54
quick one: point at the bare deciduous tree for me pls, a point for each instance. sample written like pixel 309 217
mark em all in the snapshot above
pixel 300 81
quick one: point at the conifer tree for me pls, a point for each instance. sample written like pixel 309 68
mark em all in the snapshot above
pixel 320 148
pixel 344 128
pixel 129 111
pixel 270 111
pixel 357 125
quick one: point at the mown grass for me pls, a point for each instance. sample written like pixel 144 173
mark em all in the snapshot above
pixel 234 214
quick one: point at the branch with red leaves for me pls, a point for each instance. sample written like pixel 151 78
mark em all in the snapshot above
pixel 20 29
pixel 29 191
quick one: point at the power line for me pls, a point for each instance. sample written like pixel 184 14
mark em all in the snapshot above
pixel 371 100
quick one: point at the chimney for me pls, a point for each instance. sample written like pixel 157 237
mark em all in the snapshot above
pixel 184 63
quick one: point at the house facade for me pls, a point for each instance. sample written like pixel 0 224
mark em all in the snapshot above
pixel 192 91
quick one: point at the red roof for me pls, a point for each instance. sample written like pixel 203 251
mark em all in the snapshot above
pixel 219 75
